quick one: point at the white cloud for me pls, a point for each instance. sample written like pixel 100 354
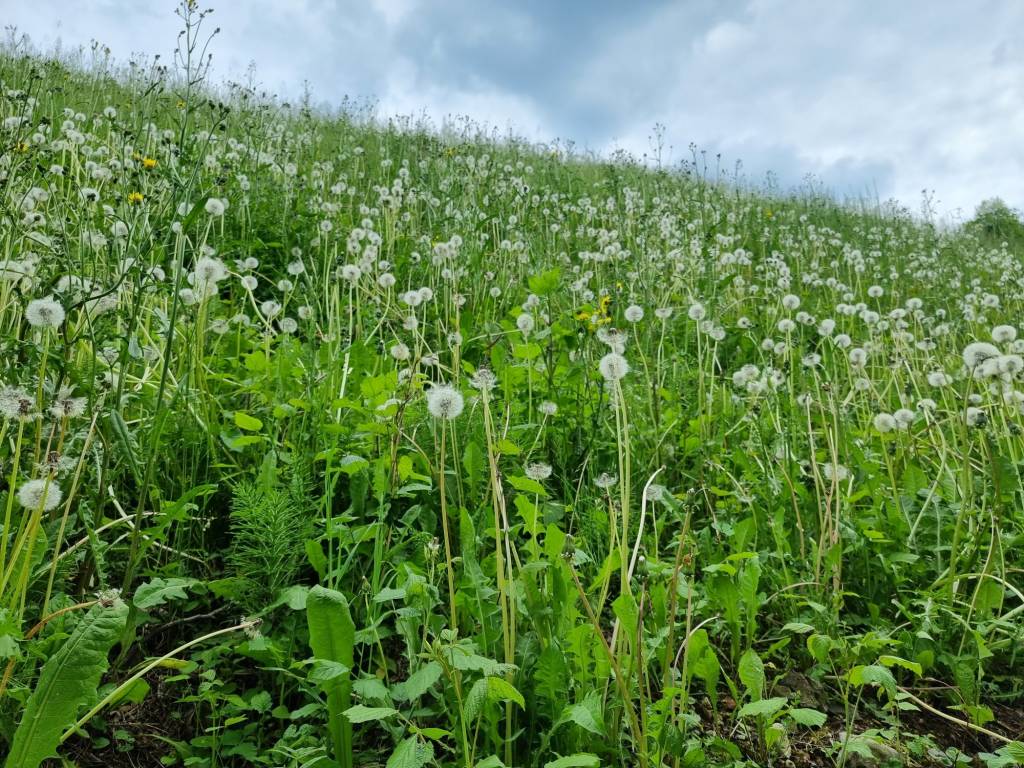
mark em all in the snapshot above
pixel 863 93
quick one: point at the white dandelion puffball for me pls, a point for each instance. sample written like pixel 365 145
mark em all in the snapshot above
pixel 634 313
pixel 548 408
pixel 40 494
pixel 525 323
pixel 978 352
pixel 613 367
pixel 44 313
pixel 215 207
pixel 885 422
pixel 445 402
pixel 1004 334
pixel 538 471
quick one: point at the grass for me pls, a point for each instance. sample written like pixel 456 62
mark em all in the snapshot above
pixel 585 462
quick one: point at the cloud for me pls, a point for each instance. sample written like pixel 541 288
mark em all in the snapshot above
pixel 870 97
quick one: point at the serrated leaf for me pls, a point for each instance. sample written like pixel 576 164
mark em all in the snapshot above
pixel 411 753
pixel 499 689
pixel 762 707
pixel 587 714
pixel 159 591
pixel 812 718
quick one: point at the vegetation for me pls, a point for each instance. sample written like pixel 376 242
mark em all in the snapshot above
pixel 507 457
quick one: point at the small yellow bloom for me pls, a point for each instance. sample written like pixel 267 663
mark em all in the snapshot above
pixel 22 146
pixel 148 162
pixel 135 197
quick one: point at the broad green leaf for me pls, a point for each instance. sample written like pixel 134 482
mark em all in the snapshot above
pixel 361 714
pixel 499 689
pixel 419 682
pixel 751 672
pixel 762 707
pixel 812 718
pixel 332 638
pixel 579 760
pixel 411 753
pixel 68 680
pixel 249 423
pixel 159 591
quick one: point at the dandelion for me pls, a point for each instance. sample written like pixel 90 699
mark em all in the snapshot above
pixel 525 323
pixel 17 404
pixel 604 481
pixel 613 367
pixel 975 417
pixel 444 402
pixel 483 379
pixel 634 313
pixel 978 352
pixel 696 311
pixel 67 407
pixel 538 471
pixel 904 417
pixel 41 494
pixel 400 352
pixel 44 313
pixel 215 207
pixel 548 408
pixel 885 422
pixel 1004 334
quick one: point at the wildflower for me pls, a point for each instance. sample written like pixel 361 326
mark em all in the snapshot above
pixel 351 273
pixel 483 379
pixel 790 301
pixel 835 472
pixel 44 313
pixel 400 352
pixel 975 417
pixel 1004 334
pixel 978 352
pixel 134 198
pixel 613 367
pixel 215 207
pixel 696 311
pixel 939 379
pixel 663 313
pixel 16 403
pixel 548 408
pixel 149 163
pixel 41 494
pixel 634 313
pixel 885 422
pixel 904 417
pixel 444 402
pixel 604 481
pixel 538 471
pixel 66 406
pixel 525 323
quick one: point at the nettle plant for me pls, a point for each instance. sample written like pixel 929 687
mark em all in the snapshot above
pixel 326 442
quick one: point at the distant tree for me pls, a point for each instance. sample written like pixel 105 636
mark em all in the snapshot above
pixel 997 222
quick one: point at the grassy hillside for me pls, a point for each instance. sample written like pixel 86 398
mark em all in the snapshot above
pixel 506 457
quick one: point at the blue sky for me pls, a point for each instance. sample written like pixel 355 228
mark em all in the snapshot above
pixel 867 97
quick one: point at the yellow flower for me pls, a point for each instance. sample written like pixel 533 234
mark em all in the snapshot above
pixel 22 146
pixel 135 197
pixel 148 162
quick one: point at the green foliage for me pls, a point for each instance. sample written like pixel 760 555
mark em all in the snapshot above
pixel 67 682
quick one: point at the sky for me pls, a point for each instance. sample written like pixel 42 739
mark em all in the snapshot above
pixel 867 98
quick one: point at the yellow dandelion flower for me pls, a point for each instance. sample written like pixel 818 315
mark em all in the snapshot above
pixel 135 197
pixel 148 162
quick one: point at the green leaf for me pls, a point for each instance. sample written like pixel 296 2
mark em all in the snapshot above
pixel 361 714
pixel 499 689
pixel 812 718
pixel 751 672
pixel 896 661
pixel 419 682
pixel 587 714
pixel 874 675
pixel 546 282
pixel 579 760
pixel 411 753
pixel 159 591
pixel 249 423
pixel 69 680
pixel 332 636
pixel 762 707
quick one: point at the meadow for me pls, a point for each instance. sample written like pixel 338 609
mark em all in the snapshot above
pixel 332 442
